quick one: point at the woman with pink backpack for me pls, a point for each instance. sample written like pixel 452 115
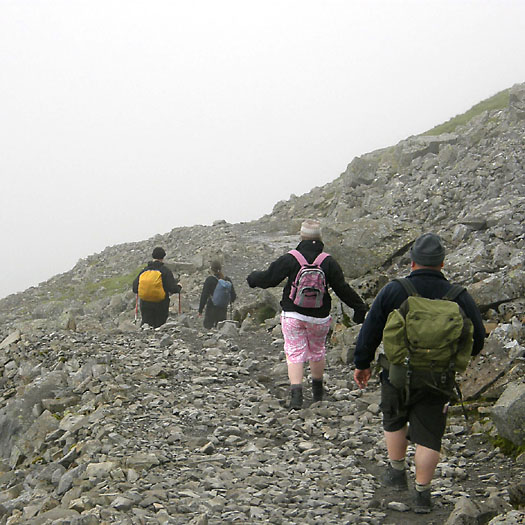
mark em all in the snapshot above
pixel 306 305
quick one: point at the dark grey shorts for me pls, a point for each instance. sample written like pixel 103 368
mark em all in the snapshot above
pixel 425 414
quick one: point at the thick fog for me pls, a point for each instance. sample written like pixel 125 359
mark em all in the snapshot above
pixel 123 119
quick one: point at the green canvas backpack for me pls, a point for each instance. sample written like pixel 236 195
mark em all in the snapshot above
pixel 432 335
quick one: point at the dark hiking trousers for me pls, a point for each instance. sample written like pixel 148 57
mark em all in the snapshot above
pixel 155 314
pixel 214 314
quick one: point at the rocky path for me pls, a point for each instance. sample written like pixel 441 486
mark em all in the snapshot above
pixel 181 426
pixel 114 425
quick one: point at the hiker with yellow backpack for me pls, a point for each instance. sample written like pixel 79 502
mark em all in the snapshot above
pixel 153 286
pixel 430 328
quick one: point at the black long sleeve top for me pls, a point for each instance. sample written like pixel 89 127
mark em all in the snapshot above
pixel 168 280
pixel 287 267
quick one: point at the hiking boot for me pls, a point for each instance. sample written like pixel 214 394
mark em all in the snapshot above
pixel 422 502
pixel 296 399
pixel 317 390
pixel 395 479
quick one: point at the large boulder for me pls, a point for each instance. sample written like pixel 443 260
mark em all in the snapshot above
pixel 368 244
pixel 508 414
pixel 498 288
pixel 18 415
pixel 517 102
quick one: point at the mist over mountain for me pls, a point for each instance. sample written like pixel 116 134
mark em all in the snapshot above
pixel 102 422
pixel 466 184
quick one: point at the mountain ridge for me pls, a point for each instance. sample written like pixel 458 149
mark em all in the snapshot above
pixel 372 211
pixel 104 422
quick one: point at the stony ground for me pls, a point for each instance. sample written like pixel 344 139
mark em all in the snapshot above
pixel 186 426
pixel 179 425
pixel 338 451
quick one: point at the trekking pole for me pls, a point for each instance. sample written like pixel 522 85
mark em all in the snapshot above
pixel 180 308
pixel 136 308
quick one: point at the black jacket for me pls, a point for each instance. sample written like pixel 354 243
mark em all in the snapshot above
pixel 168 281
pixel 428 283
pixel 287 267
pixel 209 287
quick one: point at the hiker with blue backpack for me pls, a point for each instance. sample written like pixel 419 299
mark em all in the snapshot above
pixel 217 295
pixel 430 328
pixel 306 305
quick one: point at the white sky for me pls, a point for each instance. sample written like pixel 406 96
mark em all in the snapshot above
pixel 121 119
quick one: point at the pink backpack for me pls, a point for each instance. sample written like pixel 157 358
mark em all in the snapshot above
pixel 309 285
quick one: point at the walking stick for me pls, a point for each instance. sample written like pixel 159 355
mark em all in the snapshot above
pixel 180 308
pixel 136 308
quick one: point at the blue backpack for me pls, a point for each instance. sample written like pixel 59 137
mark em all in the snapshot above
pixel 222 293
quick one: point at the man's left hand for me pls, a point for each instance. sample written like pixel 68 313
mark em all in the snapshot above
pixel 361 377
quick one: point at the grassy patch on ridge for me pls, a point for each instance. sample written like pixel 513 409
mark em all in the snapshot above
pixel 498 101
pixel 112 285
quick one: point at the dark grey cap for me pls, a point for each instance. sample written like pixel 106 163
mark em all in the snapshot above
pixel 428 250
pixel 158 253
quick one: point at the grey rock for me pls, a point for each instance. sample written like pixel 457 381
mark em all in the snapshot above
pixel 513 517
pixel 10 339
pixel 108 423
pixel 398 506
pixel 508 413
pixel 465 512
pixel 228 328
pixel 122 503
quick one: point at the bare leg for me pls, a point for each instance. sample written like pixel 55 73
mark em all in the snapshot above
pixel 426 461
pixel 295 373
pixel 396 443
pixel 317 368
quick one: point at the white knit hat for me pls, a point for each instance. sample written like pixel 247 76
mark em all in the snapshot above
pixel 311 230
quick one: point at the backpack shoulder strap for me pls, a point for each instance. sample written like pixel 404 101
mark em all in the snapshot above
pixel 320 258
pixel 454 292
pixel 299 257
pixel 147 269
pixel 407 286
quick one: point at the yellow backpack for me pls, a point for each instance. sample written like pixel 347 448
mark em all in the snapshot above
pixel 150 286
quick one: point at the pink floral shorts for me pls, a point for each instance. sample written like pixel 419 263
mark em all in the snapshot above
pixel 304 341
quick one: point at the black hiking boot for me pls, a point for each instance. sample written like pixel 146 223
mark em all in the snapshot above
pixel 296 399
pixel 317 390
pixel 422 502
pixel 395 479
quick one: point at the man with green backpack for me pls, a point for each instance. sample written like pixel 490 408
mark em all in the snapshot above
pixel 430 328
